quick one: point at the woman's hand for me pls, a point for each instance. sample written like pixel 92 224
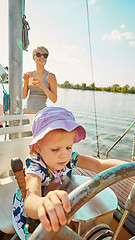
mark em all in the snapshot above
pixel 52 210
pixel 37 82
pixel 26 77
pixel 51 93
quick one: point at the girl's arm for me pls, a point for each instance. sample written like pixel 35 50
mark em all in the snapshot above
pixel 53 205
pixel 95 164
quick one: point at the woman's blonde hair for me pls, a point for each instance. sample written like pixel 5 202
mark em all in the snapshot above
pixel 42 49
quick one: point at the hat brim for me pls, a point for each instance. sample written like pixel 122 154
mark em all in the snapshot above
pixel 67 125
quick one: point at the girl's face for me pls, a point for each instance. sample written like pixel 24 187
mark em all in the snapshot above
pixel 56 148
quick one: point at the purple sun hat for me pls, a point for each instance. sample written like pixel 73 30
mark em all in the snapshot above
pixel 52 118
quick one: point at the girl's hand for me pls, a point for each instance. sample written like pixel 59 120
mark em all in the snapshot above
pixel 70 219
pixel 52 210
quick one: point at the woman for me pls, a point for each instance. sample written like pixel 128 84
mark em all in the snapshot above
pixel 40 84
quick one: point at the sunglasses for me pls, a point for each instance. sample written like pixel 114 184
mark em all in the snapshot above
pixel 45 55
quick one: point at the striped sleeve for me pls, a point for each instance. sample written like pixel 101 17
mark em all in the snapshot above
pixel 74 159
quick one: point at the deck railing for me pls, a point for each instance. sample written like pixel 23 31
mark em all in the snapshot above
pixel 15 139
pixel 132 158
pixel 16 124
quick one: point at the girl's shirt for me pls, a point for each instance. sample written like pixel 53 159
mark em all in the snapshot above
pixel 35 166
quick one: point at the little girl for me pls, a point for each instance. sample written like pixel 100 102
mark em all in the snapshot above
pixel 54 133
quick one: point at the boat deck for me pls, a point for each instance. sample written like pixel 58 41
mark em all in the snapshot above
pixel 122 190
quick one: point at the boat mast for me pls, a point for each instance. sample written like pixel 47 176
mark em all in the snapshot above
pixel 15 55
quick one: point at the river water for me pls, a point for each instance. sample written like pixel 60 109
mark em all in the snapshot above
pixel 115 113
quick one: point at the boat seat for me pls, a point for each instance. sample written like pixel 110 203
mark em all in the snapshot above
pixel 7 190
pixel 17 147
pixel 13 148
pixel 9 149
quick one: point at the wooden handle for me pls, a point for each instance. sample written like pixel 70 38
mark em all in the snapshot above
pixel 17 168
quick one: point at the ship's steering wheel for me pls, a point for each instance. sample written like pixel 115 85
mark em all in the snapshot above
pixel 82 194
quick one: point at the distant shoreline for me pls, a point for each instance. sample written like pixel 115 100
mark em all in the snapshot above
pixel 113 88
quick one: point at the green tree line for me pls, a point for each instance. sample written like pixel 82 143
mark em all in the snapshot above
pixel 113 88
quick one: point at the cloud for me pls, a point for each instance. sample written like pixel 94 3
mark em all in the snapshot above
pixel 91 2
pixel 122 26
pixel 69 47
pixel 69 54
pixel 117 35
pixel 72 48
pixel 132 43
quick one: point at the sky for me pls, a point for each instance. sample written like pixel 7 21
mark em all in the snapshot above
pixel 62 27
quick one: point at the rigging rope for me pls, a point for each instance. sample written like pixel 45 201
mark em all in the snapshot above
pixel 90 52
pixel 6 100
pixel 6 105
pixel 25 29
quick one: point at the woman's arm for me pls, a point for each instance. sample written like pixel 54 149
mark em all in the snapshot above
pixel 54 204
pixel 95 164
pixel 52 94
pixel 26 77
